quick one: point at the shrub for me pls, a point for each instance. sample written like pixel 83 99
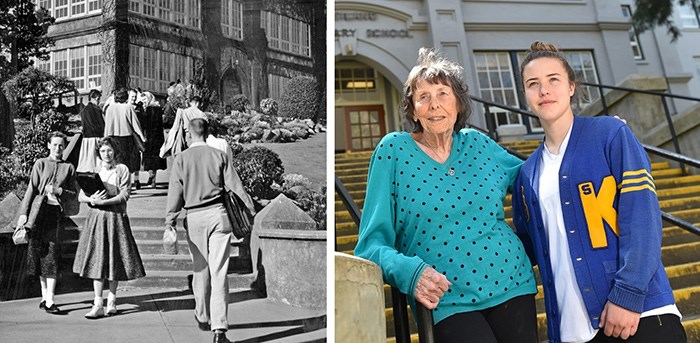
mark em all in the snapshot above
pixel 259 168
pixel 269 106
pixel 300 99
pixel 314 204
pixel 239 103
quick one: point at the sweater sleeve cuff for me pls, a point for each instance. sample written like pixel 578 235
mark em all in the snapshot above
pixel 626 298
pixel 416 276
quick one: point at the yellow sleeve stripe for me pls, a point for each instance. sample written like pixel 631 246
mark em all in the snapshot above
pixel 638 188
pixel 636 172
pixel 626 182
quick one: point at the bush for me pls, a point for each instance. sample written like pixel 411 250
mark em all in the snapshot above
pixel 269 106
pixel 314 204
pixel 239 103
pixel 300 99
pixel 259 168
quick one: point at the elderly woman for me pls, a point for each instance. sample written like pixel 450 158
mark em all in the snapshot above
pixel 54 178
pixel 107 250
pixel 152 125
pixel 122 124
pixel 433 216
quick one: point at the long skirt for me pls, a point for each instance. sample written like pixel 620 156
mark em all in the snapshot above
pixel 107 249
pixel 44 246
pixel 89 159
pixel 127 153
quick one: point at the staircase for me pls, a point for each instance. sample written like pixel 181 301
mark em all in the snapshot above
pixel 162 270
pixel 678 195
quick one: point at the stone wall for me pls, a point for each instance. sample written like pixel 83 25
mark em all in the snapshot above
pixel 359 300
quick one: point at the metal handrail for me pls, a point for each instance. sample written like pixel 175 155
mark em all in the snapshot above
pixel 398 299
pixel 667 112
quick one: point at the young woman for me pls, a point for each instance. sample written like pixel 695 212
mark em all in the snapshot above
pixel 106 231
pixel 55 178
pixel 585 205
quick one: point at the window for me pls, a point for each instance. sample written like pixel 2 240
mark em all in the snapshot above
pixel 495 78
pixel 94 5
pixel 232 19
pixel 153 70
pixel 77 67
pixel 135 65
pixel 82 65
pixel 193 13
pixel 277 85
pixel 286 34
pixel 179 12
pixel 149 7
pixel 43 65
pixel 164 9
pixel 150 59
pixel 634 38
pixel 164 71
pixel 61 9
pixel 355 82
pixel 77 7
pixel 67 9
pixel 689 16
pixel 94 55
pixel 60 64
pixel 182 12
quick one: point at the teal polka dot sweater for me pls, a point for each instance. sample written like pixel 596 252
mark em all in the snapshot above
pixel 419 213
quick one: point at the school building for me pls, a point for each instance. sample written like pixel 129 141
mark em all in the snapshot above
pixel 241 46
pixel 376 45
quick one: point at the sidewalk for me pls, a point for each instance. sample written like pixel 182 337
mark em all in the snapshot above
pixel 156 314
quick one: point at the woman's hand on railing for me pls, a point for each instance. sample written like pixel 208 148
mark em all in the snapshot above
pixel 430 288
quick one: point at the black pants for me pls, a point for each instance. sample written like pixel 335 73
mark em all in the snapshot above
pixel 512 321
pixel 665 328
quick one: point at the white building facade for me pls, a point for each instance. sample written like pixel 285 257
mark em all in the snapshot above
pixel 376 45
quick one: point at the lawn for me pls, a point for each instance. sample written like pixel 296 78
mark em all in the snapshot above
pixel 306 157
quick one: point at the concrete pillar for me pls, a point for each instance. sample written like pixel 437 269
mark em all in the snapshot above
pixel 359 300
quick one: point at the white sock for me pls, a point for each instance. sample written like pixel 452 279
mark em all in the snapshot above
pixel 98 301
pixel 49 299
pixel 111 298
pixel 43 294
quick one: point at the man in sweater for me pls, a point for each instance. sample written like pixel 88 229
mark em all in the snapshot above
pixel 196 185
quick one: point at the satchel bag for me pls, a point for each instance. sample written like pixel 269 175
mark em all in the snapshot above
pixel 239 216
pixel 20 236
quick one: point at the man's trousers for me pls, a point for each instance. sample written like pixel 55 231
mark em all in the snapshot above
pixel 209 239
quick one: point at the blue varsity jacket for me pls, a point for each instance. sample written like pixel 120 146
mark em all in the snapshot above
pixel 612 217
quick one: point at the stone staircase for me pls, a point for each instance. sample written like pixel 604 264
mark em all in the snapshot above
pixel 678 195
pixel 162 270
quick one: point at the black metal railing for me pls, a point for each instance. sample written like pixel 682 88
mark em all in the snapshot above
pixel 491 119
pixel 664 102
pixel 400 304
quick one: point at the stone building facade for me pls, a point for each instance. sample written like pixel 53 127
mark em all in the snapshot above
pixel 106 44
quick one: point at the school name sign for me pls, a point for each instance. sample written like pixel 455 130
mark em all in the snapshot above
pixel 354 16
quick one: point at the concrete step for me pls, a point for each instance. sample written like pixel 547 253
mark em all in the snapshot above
pixel 679 192
pixel 179 279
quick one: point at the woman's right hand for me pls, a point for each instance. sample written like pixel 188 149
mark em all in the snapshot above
pixel 21 220
pixel 98 198
pixel 430 288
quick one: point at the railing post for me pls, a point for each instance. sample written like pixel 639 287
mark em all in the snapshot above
pixel 490 123
pixel 602 100
pixel 671 127
pixel 425 324
pixel 402 331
